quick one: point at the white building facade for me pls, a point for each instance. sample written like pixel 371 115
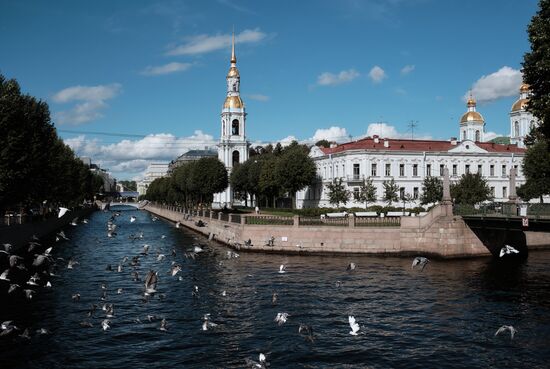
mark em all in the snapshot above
pixel 233 146
pixel 521 121
pixel 408 162
pixel 154 171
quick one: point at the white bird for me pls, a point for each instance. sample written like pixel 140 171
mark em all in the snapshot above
pixel 132 219
pixel 224 293
pixel 48 284
pixel 105 324
pixel 145 250
pixel 72 263
pixel 197 249
pixel 420 260
pixel 74 222
pixel 28 294
pixel 151 282
pixel 175 270
pixel 207 323
pixel 178 224
pixel 62 212
pixel 4 275
pixel 507 249
pixel 354 326
pixel 507 328
pixel 61 235
pixel 351 266
pixel 163 326
pixel 261 364
pixel 282 268
pixel 232 254
pixel 85 221
pixel 119 291
pixel 161 257
pixel 281 318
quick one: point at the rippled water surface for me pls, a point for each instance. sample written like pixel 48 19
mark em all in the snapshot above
pixel 443 317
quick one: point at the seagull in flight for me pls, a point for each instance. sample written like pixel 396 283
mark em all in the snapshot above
pixel 281 318
pixel 62 212
pixel 132 219
pixel 421 261
pixel 505 328
pixel 260 364
pixel 74 222
pixel 354 325
pixel 207 323
pixel 506 250
pixel 163 326
pixel 151 282
pixel 351 266
pixel 282 269
pixel 105 324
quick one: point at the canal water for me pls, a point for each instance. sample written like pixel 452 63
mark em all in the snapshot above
pixel 443 317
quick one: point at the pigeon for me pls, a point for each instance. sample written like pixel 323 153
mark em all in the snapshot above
pixel 351 266
pixel 62 212
pixel 281 318
pixel 354 326
pixel 507 328
pixel 282 268
pixel 420 260
pixel 507 250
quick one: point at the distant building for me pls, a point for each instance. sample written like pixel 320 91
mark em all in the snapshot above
pixel 521 120
pixel 191 155
pixel 154 171
pixel 109 183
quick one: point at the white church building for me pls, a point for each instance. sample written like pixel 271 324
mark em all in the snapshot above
pixel 408 162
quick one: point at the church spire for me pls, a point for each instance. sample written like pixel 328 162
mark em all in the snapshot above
pixel 233 57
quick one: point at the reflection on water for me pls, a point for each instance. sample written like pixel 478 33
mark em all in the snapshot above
pixel 445 316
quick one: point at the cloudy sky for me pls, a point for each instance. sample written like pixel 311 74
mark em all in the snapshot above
pixel 130 82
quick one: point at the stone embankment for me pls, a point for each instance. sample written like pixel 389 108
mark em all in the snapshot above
pixel 438 233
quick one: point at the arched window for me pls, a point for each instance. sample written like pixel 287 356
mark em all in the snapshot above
pixel 235 126
pixel 464 135
pixel 516 129
pixel 234 87
pixel 235 160
pixel 477 135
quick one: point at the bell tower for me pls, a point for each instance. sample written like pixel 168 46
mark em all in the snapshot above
pixel 233 147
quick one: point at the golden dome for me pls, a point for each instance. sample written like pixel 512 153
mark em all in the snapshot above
pixel 233 72
pixel 520 104
pixel 471 102
pixel 524 88
pixel 233 102
pixel 472 116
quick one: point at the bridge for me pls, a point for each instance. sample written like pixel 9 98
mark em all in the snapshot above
pixel 497 225
pixel 114 204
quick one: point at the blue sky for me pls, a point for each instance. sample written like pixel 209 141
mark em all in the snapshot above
pixel 157 69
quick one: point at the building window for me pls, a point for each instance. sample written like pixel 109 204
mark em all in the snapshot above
pixel 463 135
pixel 415 170
pixel 467 169
pixel 415 193
pixel 356 172
pixel 455 170
pixel 441 169
pixel 517 170
pixel 504 170
pixel 478 136
pixel 373 170
pixel 336 171
pixel 388 170
pixel 428 170
pixel 235 125
pixel 355 192
pixel 480 169
pixel 492 170
pixel 402 170
pixel 402 193
pixel 493 191
pixel 516 129
pixel 235 158
pixel 343 170
pixel 504 192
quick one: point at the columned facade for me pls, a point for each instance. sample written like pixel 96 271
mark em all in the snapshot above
pixel 233 147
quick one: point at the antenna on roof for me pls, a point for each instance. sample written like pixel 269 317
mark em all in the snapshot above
pixel 412 125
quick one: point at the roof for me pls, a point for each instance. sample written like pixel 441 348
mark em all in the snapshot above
pixel 198 153
pixel 368 143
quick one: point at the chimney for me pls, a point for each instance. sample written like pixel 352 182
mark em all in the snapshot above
pixel 453 141
pixel 386 143
pixel 376 139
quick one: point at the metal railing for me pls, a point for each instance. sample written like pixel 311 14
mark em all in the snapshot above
pixel 269 220
pixel 503 209
pixel 310 221
pixel 377 222
pixel 236 218
pixel 224 217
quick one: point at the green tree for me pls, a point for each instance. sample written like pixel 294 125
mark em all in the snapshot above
pixel 268 183
pixel 337 192
pixel 367 192
pixel 536 67
pixel 208 177
pixel 390 191
pixel 432 190
pixel 129 185
pixel 295 170
pixel 322 143
pixel 470 189
pixel 536 168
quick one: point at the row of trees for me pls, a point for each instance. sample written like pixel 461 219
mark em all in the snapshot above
pixel 273 172
pixel 470 189
pixel 36 167
pixel 191 184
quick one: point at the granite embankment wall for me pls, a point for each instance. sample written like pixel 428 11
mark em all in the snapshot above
pixel 437 234
pixel 18 235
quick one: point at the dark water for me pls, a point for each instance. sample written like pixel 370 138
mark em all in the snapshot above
pixel 443 317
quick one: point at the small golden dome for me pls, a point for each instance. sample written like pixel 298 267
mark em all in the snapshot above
pixel 524 88
pixel 233 72
pixel 472 116
pixel 471 102
pixel 520 104
pixel 233 102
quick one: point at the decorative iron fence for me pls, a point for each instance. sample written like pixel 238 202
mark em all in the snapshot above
pixel 224 217
pixel 236 218
pixel 377 222
pixel 309 221
pixel 269 220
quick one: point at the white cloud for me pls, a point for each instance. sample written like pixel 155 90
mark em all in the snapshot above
pixel 377 74
pixel 502 83
pixel 407 69
pixel 133 156
pixel 385 130
pixel 337 134
pixel 165 69
pixel 206 43
pixel 488 136
pixel 330 79
pixel 258 97
pixel 91 102
pixel 287 140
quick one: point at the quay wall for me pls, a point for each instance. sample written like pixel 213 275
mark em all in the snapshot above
pixel 436 234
